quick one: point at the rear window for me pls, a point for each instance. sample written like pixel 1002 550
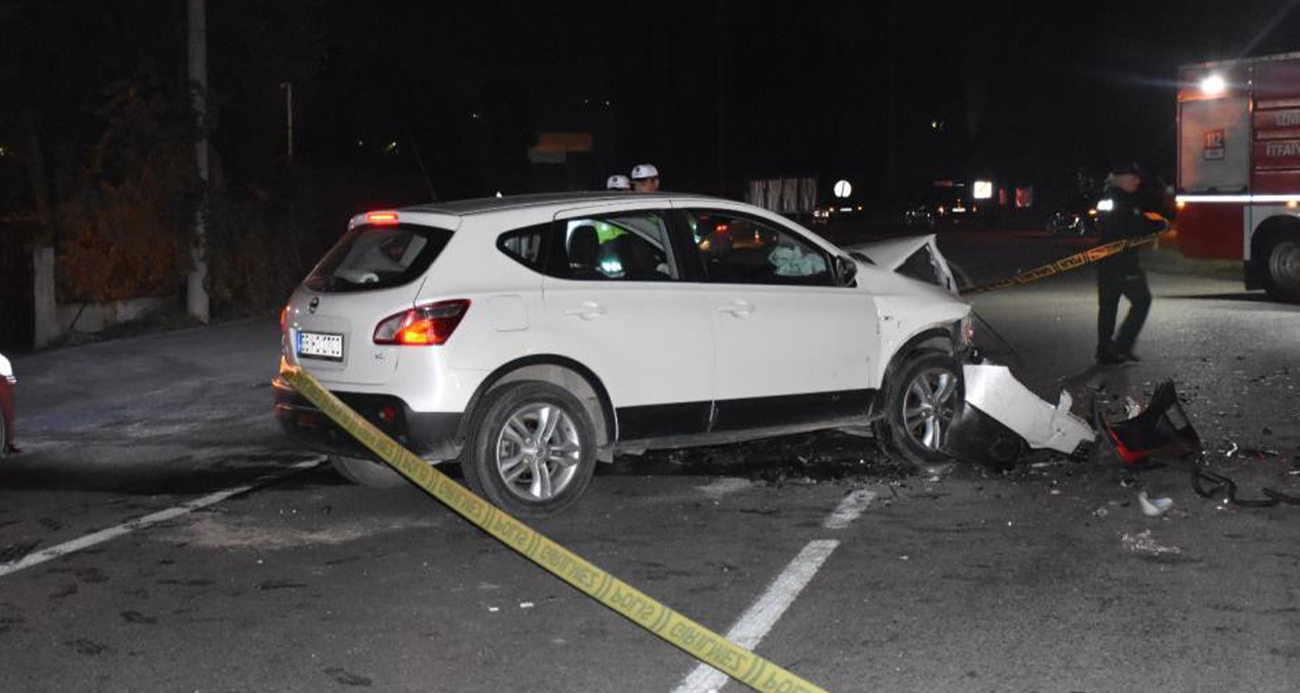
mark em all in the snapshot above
pixel 372 257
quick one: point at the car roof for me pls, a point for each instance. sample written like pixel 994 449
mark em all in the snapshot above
pixel 483 205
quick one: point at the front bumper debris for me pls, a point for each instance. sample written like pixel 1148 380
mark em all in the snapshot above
pixel 1001 417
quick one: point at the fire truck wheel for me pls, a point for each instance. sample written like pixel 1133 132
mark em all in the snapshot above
pixel 1282 270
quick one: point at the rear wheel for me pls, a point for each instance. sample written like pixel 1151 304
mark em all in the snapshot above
pixel 367 472
pixel 1282 270
pixel 533 449
pixel 921 400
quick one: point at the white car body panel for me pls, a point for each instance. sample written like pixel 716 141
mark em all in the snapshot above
pixel 654 343
pixel 891 253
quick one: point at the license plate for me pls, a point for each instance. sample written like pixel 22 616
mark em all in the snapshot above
pixel 320 345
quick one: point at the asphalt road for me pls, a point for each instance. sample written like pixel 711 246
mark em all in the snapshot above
pixel 1048 578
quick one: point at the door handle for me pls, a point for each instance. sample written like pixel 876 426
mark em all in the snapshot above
pixel 587 310
pixel 737 308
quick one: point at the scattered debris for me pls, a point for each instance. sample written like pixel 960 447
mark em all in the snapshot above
pixel 1143 542
pixel 1154 507
pixel 1162 427
pixel 1100 512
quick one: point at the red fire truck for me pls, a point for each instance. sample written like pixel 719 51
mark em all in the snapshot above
pixel 1239 168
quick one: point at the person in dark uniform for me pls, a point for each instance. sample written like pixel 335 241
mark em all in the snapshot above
pixel 1121 274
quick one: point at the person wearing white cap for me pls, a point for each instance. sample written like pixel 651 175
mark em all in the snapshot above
pixel 645 178
pixel 618 182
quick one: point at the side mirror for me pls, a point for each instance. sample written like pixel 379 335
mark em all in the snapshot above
pixel 846 269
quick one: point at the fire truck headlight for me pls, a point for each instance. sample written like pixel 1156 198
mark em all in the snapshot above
pixel 1213 85
pixel 1106 205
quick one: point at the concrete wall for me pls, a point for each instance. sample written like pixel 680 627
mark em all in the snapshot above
pixel 94 317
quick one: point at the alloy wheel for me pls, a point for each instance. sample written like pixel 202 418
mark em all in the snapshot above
pixel 929 406
pixel 538 451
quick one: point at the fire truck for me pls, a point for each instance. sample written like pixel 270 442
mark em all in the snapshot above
pixel 1239 168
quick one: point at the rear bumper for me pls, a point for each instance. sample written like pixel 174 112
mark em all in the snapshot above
pixel 431 435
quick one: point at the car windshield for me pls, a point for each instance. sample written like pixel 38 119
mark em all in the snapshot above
pixel 372 257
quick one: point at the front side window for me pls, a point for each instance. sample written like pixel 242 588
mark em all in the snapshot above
pixel 378 257
pixel 625 247
pixel 738 249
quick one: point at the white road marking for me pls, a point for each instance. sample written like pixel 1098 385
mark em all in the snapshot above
pixel 849 509
pixel 759 619
pixel 754 624
pixel 125 528
pixel 721 487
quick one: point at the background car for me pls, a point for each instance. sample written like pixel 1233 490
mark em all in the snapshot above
pixel 528 337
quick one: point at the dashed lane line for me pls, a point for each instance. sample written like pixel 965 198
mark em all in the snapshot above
pixel 849 509
pixel 38 557
pixel 755 623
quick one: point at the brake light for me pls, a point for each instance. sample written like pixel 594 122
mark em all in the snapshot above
pixel 428 325
pixel 284 318
pixel 381 218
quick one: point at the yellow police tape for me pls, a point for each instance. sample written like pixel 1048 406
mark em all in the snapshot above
pixel 1066 264
pixel 696 640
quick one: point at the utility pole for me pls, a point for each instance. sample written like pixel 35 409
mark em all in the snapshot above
pixel 288 124
pixel 891 114
pixel 196 295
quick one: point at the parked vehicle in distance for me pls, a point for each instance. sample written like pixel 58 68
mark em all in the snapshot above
pixel 7 382
pixel 529 337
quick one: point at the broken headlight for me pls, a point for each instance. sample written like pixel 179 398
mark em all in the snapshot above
pixel 966 331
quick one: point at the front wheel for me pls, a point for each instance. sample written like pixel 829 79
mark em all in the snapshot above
pixel 1282 270
pixel 921 401
pixel 533 449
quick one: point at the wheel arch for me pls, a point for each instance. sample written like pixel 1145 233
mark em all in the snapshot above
pixel 933 338
pixel 1269 232
pixel 563 372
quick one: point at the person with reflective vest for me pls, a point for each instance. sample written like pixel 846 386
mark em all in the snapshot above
pixel 1121 218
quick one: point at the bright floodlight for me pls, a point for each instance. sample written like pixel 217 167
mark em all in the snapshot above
pixel 843 189
pixel 983 189
pixel 1213 85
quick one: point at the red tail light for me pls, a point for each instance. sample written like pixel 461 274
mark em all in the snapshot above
pixel 429 325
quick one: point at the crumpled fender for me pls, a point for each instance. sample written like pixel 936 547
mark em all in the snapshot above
pixel 994 391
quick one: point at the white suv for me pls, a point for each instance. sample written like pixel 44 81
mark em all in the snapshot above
pixel 529 337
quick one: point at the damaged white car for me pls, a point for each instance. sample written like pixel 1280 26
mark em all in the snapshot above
pixel 529 337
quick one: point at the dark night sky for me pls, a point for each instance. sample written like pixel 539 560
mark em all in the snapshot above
pixel 713 93
pixel 1027 90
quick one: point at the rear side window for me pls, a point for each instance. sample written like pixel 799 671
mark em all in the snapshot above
pixel 525 245
pixel 372 257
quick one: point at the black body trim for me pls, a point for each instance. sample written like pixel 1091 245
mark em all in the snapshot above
pixel 790 410
pixel 656 420
pixel 431 435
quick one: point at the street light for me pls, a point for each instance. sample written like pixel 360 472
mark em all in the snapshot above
pixel 1213 84
pixel 843 189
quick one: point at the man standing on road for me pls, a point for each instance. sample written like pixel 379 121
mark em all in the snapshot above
pixel 1121 274
pixel 645 178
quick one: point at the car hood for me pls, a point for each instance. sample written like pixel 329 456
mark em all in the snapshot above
pixel 917 257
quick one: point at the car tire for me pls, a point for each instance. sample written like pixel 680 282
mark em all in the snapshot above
pixel 532 450
pixel 928 387
pixel 1282 270
pixel 366 472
